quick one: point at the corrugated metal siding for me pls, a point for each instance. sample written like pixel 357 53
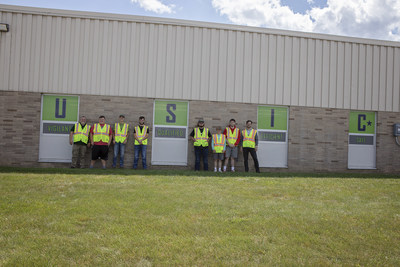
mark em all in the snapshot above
pixel 84 55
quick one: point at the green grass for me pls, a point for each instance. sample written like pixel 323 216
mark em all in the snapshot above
pixel 121 217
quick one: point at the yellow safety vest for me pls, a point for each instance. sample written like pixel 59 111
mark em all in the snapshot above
pixel 141 134
pixel 219 142
pixel 120 135
pixel 232 137
pixel 81 134
pixel 101 133
pixel 249 140
pixel 201 138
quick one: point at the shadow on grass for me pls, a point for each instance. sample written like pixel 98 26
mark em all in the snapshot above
pixel 353 174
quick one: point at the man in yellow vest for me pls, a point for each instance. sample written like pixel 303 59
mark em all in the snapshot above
pixel 79 139
pixel 232 140
pixel 250 144
pixel 120 139
pixel 100 138
pixel 141 134
pixel 218 145
pixel 200 136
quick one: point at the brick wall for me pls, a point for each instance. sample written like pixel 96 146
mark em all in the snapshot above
pixel 318 137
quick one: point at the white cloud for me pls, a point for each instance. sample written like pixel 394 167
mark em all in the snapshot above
pixel 378 19
pixel 154 6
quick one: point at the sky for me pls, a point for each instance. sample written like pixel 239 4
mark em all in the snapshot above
pixel 375 19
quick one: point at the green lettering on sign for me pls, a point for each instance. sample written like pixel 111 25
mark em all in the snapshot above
pixel 362 122
pixel 272 118
pixel 60 108
pixel 173 113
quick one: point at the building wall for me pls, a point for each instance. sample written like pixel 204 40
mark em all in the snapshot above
pixel 318 137
pixel 69 52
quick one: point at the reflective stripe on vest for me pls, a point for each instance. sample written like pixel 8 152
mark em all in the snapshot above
pixel 120 135
pixel 141 135
pixel 219 142
pixel 232 137
pixel 201 138
pixel 101 133
pixel 81 134
pixel 249 140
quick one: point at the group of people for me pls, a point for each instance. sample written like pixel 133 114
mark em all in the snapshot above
pixel 225 145
pixel 99 137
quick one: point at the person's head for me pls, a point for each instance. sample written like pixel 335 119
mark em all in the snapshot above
pixel 141 120
pixel 121 118
pixel 200 123
pixel 248 124
pixel 82 120
pixel 218 129
pixel 232 123
pixel 102 119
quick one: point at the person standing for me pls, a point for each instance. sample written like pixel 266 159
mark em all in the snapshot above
pixel 218 147
pixel 233 140
pixel 141 133
pixel 100 138
pixel 79 139
pixel 250 145
pixel 120 139
pixel 200 136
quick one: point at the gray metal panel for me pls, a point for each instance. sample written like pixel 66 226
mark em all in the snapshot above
pixel 103 54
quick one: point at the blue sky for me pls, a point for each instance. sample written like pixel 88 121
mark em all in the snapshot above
pixel 376 19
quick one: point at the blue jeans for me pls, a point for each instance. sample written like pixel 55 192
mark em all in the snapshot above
pixel 138 149
pixel 199 152
pixel 119 148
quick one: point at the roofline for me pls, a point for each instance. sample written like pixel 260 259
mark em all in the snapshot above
pixel 190 23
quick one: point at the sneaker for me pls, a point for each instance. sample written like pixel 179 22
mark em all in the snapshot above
pixel 215 170
pixel 233 170
pixel 220 171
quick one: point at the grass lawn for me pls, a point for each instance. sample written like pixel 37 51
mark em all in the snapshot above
pixel 120 217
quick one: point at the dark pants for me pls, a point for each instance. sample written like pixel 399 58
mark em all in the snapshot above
pixel 253 154
pixel 199 152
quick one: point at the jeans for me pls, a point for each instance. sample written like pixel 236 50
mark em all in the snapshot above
pixel 138 149
pixel 199 152
pixel 119 148
pixel 253 154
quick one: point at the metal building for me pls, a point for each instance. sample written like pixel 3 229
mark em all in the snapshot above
pixel 83 53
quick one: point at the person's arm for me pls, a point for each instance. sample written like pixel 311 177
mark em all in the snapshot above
pixel 212 145
pixel 91 136
pixel 209 136
pixel 110 133
pixel 237 143
pixel 147 134
pixel 71 135
pixel 241 142
pixel 256 140
pixel 113 136
pixel 127 134
pixel 192 136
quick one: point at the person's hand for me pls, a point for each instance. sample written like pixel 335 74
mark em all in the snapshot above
pixel 241 149
pixel 114 142
pixel 256 148
pixel 70 142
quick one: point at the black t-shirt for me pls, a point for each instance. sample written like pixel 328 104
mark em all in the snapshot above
pixel 201 131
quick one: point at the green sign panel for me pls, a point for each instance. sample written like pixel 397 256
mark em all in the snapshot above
pixel 171 113
pixel 362 122
pixel 272 118
pixel 60 108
